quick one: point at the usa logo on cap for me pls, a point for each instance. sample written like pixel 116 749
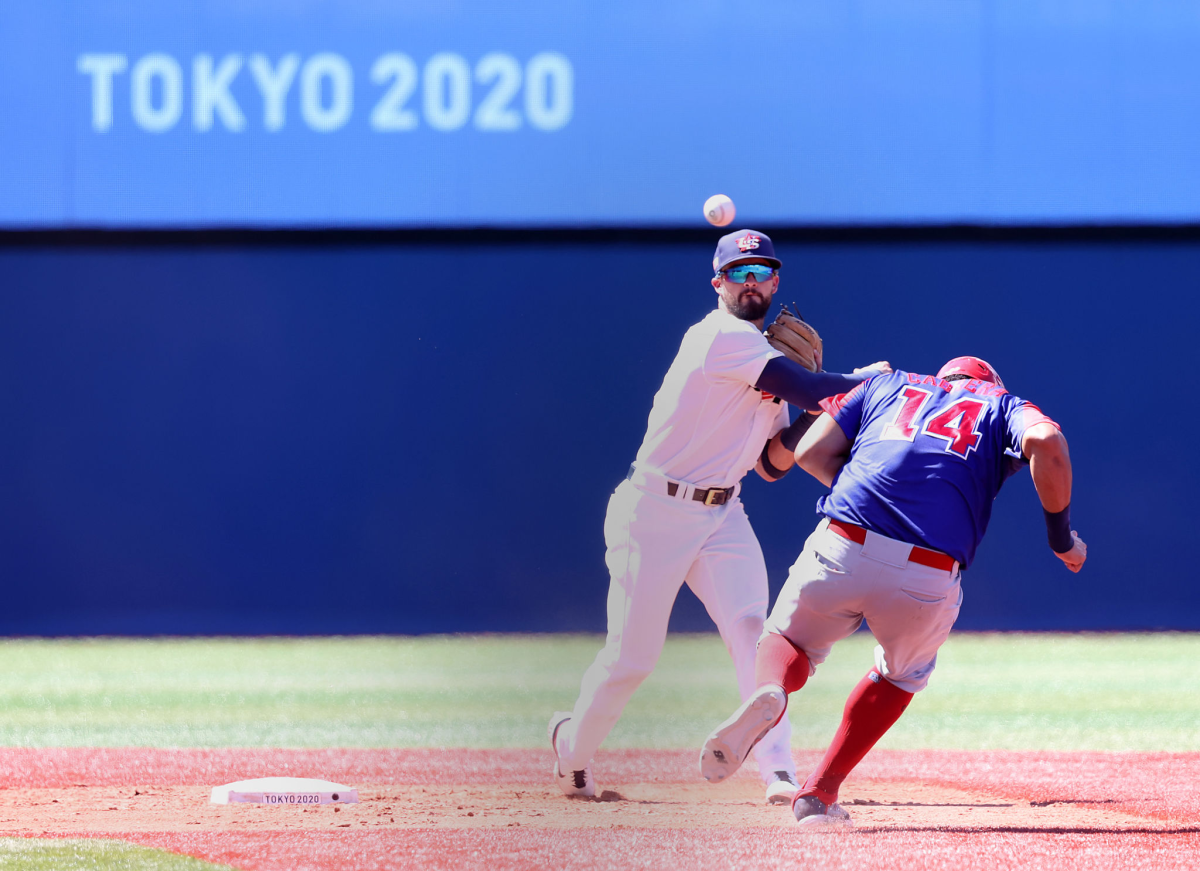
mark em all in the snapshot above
pixel 747 243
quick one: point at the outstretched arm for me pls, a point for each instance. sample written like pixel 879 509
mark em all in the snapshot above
pixel 805 389
pixel 1050 467
pixel 823 450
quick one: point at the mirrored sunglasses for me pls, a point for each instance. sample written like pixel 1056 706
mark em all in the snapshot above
pixel 739 274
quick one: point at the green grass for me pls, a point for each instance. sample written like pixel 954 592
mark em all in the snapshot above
pixel 88 854
pixel 1053 692
pixel 1044 692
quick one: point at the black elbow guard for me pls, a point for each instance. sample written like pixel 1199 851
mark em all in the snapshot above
pixel 768 466
pixel 790 437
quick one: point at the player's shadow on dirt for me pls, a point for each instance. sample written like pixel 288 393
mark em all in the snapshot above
pixel 613 795
pixel 606 795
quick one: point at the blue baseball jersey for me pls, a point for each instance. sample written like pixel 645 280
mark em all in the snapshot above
pixel 928 458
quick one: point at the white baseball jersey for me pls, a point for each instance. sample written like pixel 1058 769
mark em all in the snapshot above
pixel 707 429
pixel 708 424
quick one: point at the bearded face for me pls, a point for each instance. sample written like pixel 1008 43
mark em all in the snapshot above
pixel 745 301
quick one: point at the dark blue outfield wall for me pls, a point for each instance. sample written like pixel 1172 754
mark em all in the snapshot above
pixel 415 436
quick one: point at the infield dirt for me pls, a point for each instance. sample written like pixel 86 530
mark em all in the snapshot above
pixel 874 806
pixel 455 808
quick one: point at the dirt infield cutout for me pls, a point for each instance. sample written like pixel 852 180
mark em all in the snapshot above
pixel 434 810
pixel 873 806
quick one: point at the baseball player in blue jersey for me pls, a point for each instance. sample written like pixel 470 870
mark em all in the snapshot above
pixel 677 518
pixel 913 463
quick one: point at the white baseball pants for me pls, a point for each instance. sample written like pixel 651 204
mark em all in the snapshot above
pixel 835 584
pixel 656 543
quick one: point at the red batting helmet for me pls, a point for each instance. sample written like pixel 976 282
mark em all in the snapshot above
pixel 970 367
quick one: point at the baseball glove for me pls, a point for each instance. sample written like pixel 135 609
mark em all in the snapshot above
pixel 797 340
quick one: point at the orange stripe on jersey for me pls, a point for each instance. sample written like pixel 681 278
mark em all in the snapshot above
pixel 833 404
pixel 1034 416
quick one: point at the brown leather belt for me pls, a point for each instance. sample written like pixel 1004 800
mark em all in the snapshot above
pixel 715 496
pixel 712 496
pixel 935 559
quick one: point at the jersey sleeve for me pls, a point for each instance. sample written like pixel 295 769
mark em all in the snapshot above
pixel 833 404
pixel 847 409
pixel 1019 416
pixel 738 355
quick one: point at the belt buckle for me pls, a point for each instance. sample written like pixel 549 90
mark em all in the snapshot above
pixel 710 498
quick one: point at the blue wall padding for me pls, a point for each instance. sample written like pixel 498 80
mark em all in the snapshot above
pixel 423 438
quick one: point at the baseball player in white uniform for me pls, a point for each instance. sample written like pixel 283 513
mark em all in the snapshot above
pixel 677 517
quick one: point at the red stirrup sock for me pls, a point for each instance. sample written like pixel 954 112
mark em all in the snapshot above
pixel 873 706
pixel 780 662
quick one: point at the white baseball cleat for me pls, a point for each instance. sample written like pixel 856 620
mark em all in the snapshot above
pixel 572 783
pixel 782 788
pixel 811 811
pixel 727 748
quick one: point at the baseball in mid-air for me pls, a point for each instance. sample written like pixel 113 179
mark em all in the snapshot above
pixel 719 210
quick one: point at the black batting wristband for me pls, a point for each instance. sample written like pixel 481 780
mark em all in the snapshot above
pixel 1058 529
pixel 768 466
pixel 790 436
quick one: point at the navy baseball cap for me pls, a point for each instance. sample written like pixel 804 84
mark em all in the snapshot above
pixel 744 245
